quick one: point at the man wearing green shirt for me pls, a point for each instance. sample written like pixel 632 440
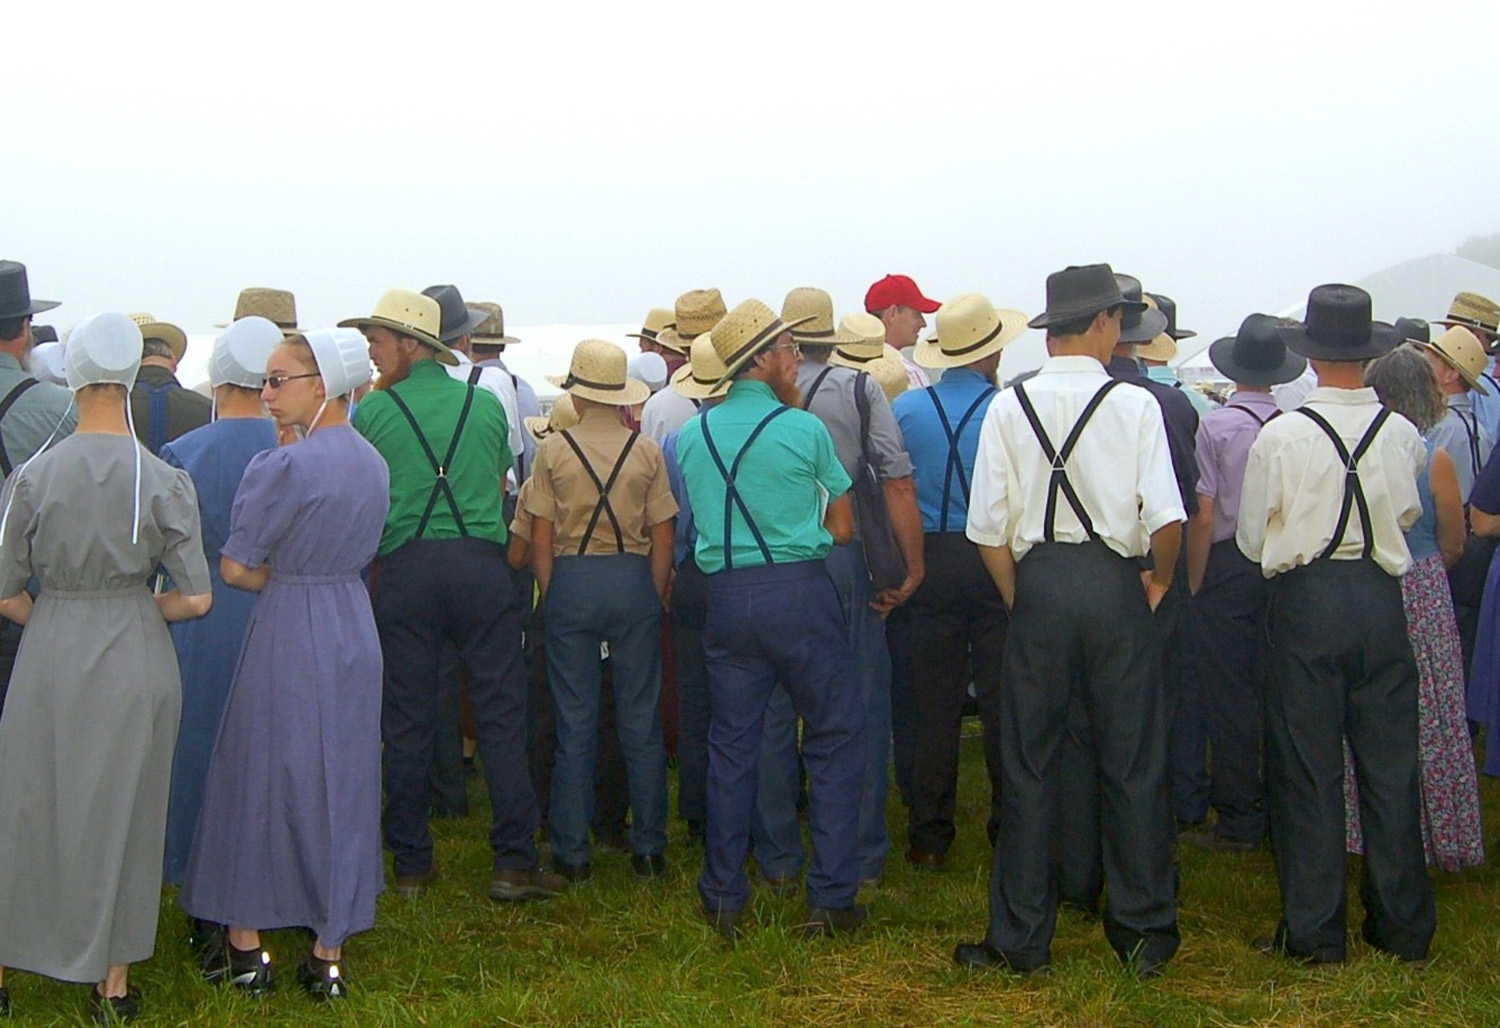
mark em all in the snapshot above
pixel 442 577
pixel 768 493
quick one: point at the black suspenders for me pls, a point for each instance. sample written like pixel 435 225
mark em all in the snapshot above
pixel 439 468
pixel 1471 429
pixel 1354 493
pixel 812 390
pixel 1059 459
pixel 5 405
pixel 955 459
pixel 732 496
pixel 603 506
pixel 1262 422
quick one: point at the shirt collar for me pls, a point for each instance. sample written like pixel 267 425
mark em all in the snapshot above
pixel 1245 398
pixel 1347 397
pixel 426 366
pixel 1072 364
pixel 749 387
pixel 9 361
pixel 964 375
pixel 1461 401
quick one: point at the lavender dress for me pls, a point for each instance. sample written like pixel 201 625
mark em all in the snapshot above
pixel 290 828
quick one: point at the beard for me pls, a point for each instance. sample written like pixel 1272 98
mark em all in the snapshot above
pixel 787 392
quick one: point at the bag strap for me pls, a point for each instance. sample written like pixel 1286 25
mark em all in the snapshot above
pixel 955 457
pixel 5 405
pixel 441 487
pixel 732 497
pixel 1354 493
pixel 603 506
pixel 1059 459
pixel 474 374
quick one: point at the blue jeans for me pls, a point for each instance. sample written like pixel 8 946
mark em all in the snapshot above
pixel 754 638
pixel 592 600
pixel 777 833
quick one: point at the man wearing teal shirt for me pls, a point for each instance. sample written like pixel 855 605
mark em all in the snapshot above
pixel 442 578
pixel 769 495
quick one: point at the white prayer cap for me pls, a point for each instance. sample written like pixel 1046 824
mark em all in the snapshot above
pixel 241 351
pixel 46 363
pixel 648 368
pixel 103 349
pixel 343 356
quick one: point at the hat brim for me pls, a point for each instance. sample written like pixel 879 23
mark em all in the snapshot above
pixel 1162 348
pixel 444 355
pixel 1470 379
pixel 538 426
pixel 493 340
pixel 632 392
pixel 174 337
pixel 1047 319
pixel 684 384
pixel 1383 339
pixel 33 307
pixel 1179 334
pixel 474 320
pixel 1221 356
pixel 669 338
pixel 929 352
pixel 293 331
pixel 770 340
pixel 863 362
pixel 1153 323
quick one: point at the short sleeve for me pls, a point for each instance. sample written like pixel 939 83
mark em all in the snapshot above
pixel 1208 464
pixel 989 501
pixel 520 525
pixel 265 505
pixel 542 502
pixel 19 505
pixel 829 473
pixel 886 447
pixel 177 519
pixel 661 505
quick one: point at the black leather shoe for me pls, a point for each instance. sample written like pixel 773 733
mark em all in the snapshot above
pixel 833 920
pixel 114 1009
pixel 574 873
pixel 322 979
pixel 728 923
pixel 204 936
pixel 648 865
pixel 979 956
pixel 1271 946
pixel 510 885
pixel 248 971
pixel 412 886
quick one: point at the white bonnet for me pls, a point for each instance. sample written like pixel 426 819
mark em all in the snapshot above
pixel 648 368
pixel 343 357
pixel 103 348
pixel 46 363
pixel 241 351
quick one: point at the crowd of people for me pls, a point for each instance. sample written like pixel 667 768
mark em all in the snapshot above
pixel 787 550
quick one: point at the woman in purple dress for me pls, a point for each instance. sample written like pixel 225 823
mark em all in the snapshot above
pixel 290 828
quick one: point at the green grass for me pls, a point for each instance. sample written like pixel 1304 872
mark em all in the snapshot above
pixel 615 951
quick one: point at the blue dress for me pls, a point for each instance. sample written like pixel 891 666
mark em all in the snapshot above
pixel 290 828
pixel 207 647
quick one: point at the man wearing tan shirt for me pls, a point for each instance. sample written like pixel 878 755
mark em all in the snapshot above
pixel 1328 490
pixel 602 524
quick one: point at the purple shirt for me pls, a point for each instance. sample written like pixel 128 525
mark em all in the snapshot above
pixel 1223 447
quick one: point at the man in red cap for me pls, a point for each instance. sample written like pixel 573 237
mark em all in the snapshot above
pixel 899 305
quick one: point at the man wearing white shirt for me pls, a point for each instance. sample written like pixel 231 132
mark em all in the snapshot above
pixel 1342 665
pixel 459 323
pixel 1073 485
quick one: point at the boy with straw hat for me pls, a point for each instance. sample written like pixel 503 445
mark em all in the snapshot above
pixel 602 521
pixel 696 311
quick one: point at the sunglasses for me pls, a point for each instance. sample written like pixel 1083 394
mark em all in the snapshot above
pixel 277 381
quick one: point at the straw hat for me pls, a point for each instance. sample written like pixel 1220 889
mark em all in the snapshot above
pixel 890 371
pixel 174 337
pixel 1164 346
pixel 1462 351
pixel 491 331
pixel 411 314
pixel 563 417
pixel 598 372
pixel 277 306
pixel 702 378
pixel 867 335
pixel 969 328
pixel 657 320
pixel 695 312
pixel 1473 311
pixel 813 307
pixel 746 331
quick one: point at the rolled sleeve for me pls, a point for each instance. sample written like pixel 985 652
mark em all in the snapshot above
pixel 542 500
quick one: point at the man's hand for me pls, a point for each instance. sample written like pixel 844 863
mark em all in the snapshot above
pixel 1155 590
pixel 887 600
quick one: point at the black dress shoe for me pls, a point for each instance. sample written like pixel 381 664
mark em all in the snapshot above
pixel 728 923
pixel 204 936
pixel 1272 946
pixel 414 885
pixel 322 979
pixel 648 865
pixel 833 920
pixel 978 956
pixel 114 1009
pixel 574 873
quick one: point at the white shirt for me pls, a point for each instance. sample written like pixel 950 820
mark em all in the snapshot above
pixel 1294 485
pixel 1121 468
pixel 666 412
pixel 499 383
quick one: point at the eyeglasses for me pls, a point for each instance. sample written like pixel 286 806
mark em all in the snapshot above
pixel 277 381
pixel 791 347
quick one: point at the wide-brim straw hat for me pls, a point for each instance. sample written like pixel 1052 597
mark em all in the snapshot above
pixel 744 332
pixel 890 371
pixel 408 313
pixel 969 328
pixel 598 372
pixel 861 338
pixel 491 331
pixel 277 306
pixel 658 319
pixel 1164 346
pixel 174 337
pixel 812 307
pixel 562 417
pixel 1473 311
pixel 696 311
pixel 1256 355
pixel 1462 351
pixel 702 377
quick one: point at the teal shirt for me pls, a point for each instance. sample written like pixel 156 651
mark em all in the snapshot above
pixel 476 475
pixel 786 480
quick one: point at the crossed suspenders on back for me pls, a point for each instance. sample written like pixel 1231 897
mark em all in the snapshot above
pixel 603 506
pixel 955 459
pixel 732 496
pixel 439 467
pixel 1059 460
pixel 1354 493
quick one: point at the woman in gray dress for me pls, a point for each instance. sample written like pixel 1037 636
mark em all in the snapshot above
pixel 87 735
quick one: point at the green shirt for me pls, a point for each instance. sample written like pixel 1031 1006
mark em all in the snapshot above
pixel 786 479
pixel 476 474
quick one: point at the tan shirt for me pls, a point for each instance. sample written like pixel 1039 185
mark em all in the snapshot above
pixel 520 525
pixel 565 494
pixel 1294 485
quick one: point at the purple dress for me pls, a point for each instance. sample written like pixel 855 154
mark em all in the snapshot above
pixel 290 828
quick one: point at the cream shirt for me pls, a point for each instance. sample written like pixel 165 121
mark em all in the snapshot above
pixel 1294 485
pixel 1121 468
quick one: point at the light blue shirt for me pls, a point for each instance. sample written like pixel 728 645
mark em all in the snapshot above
pixel 916 415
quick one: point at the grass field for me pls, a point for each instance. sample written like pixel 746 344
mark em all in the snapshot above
pixel 616 951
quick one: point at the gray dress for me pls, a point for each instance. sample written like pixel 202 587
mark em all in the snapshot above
pixel 87 735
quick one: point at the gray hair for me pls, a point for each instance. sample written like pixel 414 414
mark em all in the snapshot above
pixel 1404 381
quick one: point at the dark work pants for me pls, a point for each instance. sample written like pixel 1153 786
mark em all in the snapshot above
pixel 769 624
pixel 958 624
pixel 432 591
pixel 450 797
pixel 1342 667
pixel 900 638
pixel 689 608
pixel 611 798
pixel 1466 580
pixel 1082 633
pixel 1187 733
pixel 1232 657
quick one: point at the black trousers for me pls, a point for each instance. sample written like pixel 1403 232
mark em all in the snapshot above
pixel 1466 580
pixel 450 796
pixel 689 609
pixel 429 592
pixel 1342 667
pixel 900 643
pixel 1082 633
pixel 1232 657
pixel 958 624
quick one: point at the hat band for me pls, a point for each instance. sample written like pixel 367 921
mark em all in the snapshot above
pixel 822 333
pixel 856 359
pixel 573 380
pixel 1473 322
pixel 648 333
pixel 771 331
pixel 999 325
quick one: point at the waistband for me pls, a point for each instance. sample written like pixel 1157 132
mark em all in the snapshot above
pixel 761 574
pixel 602 562
pixel 445 549
pixel 93 594
pixel 313 579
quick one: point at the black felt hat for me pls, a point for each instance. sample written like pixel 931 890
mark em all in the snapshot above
pixel 15 293
pixel 1081 291
pixel 1256 355
pixel 1339 327
pixel 458 320
pixel 1140 324
pixel 1168 307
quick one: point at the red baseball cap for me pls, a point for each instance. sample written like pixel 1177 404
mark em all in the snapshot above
pixel 898 291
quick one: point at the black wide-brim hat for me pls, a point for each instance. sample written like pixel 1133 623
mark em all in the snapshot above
pixel 1339 328
pixel 1256 355
pixel 1082 291
pixel 458 319
pixel 15 293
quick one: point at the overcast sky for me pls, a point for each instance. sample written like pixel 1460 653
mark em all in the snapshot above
pixel 582 163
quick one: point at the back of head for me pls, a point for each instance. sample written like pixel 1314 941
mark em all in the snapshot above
pixel 1404 381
